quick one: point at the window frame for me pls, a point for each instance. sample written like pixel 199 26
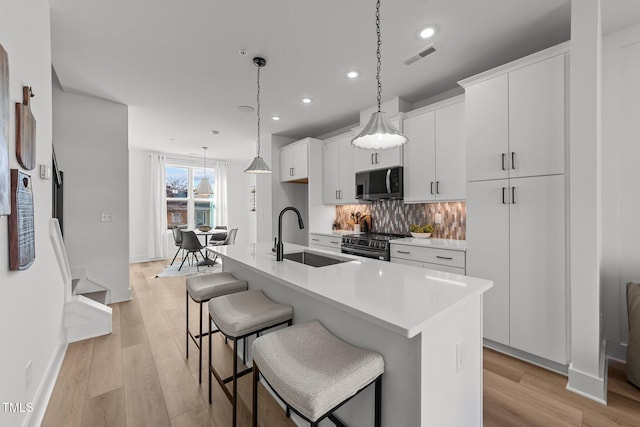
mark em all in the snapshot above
pixel 191 198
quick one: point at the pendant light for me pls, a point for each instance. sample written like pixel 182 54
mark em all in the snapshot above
pixel 379 133
pixel 204 187
pixel 258 165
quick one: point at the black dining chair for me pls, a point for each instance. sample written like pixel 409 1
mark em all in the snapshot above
pixel 177 238
pixel 229 240
pixel 192 245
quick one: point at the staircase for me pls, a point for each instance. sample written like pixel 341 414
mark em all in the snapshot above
pixel 85 312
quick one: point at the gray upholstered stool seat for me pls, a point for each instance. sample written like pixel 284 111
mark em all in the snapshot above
pixel 238 316
pixel 313 371
pixel 201 289
pixel 204 287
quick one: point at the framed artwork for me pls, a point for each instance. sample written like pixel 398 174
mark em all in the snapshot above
pixel 21 232
pixel 5 182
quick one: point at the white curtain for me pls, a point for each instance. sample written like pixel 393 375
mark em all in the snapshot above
pixel 220 194
pixel 157 244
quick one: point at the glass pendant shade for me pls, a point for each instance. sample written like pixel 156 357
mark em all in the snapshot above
pixel 258 166
pixel 379 134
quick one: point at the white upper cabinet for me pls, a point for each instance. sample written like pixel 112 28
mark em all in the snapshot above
pixel 378 159
pixel 338 175
pixel 515 122
pixel 434 158
pixel 294 161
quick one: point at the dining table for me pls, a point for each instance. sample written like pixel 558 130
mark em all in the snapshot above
pixel 210 235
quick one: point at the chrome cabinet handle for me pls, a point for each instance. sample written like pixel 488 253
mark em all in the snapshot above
pixel 503 156
pixel 404 252
pixel 443 257
pixel 316 240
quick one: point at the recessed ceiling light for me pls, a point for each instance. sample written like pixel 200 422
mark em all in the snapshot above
pixel 306 100
pixel 276 118
pixel 352 74
pixel 427 33
pixel 246 108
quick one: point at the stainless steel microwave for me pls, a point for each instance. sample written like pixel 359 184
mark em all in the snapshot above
pixel 380 184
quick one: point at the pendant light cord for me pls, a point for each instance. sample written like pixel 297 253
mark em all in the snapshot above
pixel 379 56
pixel 258 110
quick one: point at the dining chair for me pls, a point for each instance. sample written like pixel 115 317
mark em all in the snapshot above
pixel 229 240
pixel 218 237
pixel 177 238
pixel 192 245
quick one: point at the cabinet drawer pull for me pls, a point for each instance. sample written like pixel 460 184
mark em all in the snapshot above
pixel 513 160
pixel 443 257
pixel 372 162
pixel 437 187
pixel 404 252
pixel 503 188
pixel 337 195
pixel 334 242
pixel 316 240
pixel 513 195
pixel 376 158
pixel 503 156
pixel 431 187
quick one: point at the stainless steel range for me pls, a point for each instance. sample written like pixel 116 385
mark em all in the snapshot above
pixel 370 245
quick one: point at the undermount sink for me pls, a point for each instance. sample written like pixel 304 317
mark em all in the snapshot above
pixel 314 259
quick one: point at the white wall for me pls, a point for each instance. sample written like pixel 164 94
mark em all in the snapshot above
pixel 90 136
pixel 620 178
pixel 31 301
pixel 238 196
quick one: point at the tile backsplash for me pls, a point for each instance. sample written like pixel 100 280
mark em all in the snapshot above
pixel 393 216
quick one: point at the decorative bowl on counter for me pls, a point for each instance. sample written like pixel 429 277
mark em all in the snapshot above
pixel 204 228
pixel 421 235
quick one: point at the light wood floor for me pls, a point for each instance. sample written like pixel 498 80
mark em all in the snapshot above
pixel 138 376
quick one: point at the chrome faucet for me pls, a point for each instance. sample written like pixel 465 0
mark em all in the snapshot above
pixel 279 245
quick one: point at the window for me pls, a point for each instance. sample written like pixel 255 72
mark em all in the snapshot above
pixel 185 208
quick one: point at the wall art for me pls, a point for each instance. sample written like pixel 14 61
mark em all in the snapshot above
pixel 25 131
pixel 21 231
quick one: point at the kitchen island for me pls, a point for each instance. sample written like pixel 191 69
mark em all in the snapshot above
pixel 426 324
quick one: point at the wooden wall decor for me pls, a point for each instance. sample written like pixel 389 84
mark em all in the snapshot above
pixel 25 131
pixel 5 183
pixel 21 232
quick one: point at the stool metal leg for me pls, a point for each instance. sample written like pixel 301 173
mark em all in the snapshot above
pixel 378 409
pixel 187 334
pixel 254 411
pixel 200 348
pixel 235 381
pixel 210 358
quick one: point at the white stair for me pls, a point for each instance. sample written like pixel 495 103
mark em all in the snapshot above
pixel 83 317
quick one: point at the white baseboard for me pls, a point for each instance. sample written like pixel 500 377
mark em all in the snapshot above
pixel 617 351
pixel 43 394
pixel 588 385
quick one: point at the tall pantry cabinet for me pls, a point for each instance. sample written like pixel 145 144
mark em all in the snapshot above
pixel 516 224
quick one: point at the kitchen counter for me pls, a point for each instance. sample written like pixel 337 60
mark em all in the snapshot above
pixel 426 324
pixel 451 244
pixel 334 233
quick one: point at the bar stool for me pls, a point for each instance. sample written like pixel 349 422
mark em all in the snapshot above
pixel 314 372
pixel 201 289
pixel 239 316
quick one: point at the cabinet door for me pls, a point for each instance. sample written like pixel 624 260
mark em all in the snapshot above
pixel 537 118
pixel 285 164
pixel 377 159
pixel 487 129
pixel 488 252
pixel 450 161
pixel 346 172
pixel 419 159
pixel 330 174
pixel 537 262
pixel 299 161
pixel 389 158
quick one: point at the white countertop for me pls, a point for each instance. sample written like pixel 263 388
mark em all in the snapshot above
pixel 401 298
pixel 333 233
pixel 451 244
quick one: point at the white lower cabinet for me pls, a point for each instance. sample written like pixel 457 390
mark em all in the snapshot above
pixel 450 261
pixel 516 237
pixel 323 241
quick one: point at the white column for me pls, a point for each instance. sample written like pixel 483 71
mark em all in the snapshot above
pixel 587 371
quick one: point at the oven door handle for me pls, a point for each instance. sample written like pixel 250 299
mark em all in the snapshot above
pixel 364 253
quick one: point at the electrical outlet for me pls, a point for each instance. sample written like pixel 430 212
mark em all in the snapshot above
pixel 105 217
pixel 460 357
pixel 438 219
pixel 27 374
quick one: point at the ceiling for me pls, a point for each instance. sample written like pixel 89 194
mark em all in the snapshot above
pixel 178 68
